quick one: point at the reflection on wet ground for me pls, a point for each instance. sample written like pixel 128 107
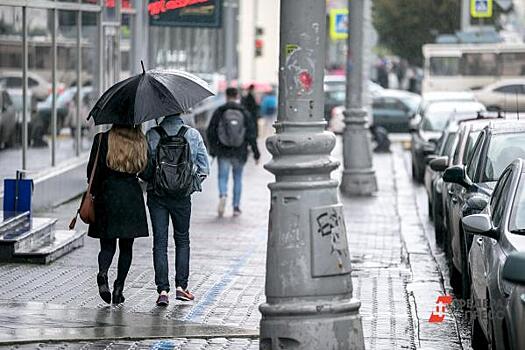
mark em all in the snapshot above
pixel 39 322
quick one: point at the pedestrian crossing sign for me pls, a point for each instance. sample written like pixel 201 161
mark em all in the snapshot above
pixel 481 8
pixel 339 24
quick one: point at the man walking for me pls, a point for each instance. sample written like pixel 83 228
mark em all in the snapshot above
pixel 164 202
pixel 251 106
pixel 229 133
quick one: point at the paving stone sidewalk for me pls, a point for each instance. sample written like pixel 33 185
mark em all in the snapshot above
pixel 395 275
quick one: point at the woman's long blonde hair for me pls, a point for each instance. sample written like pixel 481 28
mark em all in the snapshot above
pixel 127 149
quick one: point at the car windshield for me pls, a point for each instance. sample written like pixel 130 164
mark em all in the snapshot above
pixel 412 102
pixel 503 149
pixel 438 114
pixel 517 216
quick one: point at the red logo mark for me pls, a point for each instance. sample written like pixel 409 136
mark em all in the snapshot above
pixel 438 314
pixel 158 7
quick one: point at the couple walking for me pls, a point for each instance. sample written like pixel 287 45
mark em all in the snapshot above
pixel 173 160
pixel 126 154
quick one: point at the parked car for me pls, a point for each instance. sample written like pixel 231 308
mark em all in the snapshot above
pixel 460 135
pixel 504 95
pixel 391 109
pixel 512 272
pixel 426 128
pixel 7 120
pixel 498 232
pixel 335 93
pixel 433 180
pixel 39 87
pixel 17 98
pixel 498 144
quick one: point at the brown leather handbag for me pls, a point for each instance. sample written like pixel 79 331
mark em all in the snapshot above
pixel 87 205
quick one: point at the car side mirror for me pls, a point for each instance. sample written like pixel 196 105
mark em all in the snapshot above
pixel 430 158
pixel 439 164
pixel 477 203
pixel 479 224
pixel 513 268
pixel 413 123
pixel 429 148
pixel 456 174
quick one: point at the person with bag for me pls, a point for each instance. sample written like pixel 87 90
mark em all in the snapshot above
pixel 177 165
pixel 118 210
pixel 229 133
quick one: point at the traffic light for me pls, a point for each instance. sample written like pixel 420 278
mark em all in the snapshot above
pixel 259 42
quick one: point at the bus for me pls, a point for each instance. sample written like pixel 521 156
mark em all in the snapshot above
pixel 459 67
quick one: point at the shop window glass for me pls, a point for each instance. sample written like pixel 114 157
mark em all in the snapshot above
pixel 11 89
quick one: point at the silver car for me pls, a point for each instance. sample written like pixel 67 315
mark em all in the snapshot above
pixel 499 230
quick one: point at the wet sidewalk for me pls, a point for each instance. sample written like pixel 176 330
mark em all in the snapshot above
pixel 396 277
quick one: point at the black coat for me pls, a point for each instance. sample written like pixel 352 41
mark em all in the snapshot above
pixel 119 203
pixel 216 149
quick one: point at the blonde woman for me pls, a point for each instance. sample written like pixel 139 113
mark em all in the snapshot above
pixel 119 204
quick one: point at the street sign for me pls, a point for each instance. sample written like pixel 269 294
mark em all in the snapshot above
pixel 481 8
pixel 185 13
pixel 339 24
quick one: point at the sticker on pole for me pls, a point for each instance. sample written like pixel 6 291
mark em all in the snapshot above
pixel 330 255
pixel 339 24
pixel 481 8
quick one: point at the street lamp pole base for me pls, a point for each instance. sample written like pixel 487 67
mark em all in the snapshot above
pixel 359 182
pixel 332 324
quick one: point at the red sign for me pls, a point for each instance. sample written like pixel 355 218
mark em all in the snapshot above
pixel 161 6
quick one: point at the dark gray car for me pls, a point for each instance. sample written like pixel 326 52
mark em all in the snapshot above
pixel 497 146
pixel 499 230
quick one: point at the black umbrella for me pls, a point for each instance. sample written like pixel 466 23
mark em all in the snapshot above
pixel 149 95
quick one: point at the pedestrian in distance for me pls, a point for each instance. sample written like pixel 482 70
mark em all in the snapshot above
pixel 178 163
pixel 229 133
pixel 269 111
pixel 118 155
pixel 250 104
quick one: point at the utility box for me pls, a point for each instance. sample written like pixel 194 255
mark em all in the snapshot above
pixel 18 195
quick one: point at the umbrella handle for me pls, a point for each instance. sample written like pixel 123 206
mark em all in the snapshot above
pixel 142 64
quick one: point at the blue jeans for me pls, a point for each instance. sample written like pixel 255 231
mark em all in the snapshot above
pixel 237 166
pixel 160 210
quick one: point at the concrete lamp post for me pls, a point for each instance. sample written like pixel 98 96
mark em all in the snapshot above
pixel 309 302
pixel 358 176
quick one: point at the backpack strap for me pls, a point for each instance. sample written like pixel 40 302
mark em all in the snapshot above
pixel 182 131
pixel 160 130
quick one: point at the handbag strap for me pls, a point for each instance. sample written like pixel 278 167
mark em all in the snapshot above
pixel 95 165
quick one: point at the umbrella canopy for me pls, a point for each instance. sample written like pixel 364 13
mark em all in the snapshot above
pixel 149 95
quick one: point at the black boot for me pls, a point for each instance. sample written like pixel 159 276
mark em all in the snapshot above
pixel 118 298
pixel 103 286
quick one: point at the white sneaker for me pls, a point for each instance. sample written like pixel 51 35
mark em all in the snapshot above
pixel 222 206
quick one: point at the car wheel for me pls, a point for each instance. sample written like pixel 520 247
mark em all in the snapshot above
pixel 439 229
pixel 478 341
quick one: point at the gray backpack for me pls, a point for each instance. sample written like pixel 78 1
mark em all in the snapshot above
pixel 232 128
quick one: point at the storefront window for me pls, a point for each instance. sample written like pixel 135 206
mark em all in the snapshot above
pixel 11 90
pixel 39 52
pixel 513 64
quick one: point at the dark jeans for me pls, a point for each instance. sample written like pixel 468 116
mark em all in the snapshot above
pixel 160 210
pixel 107 251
